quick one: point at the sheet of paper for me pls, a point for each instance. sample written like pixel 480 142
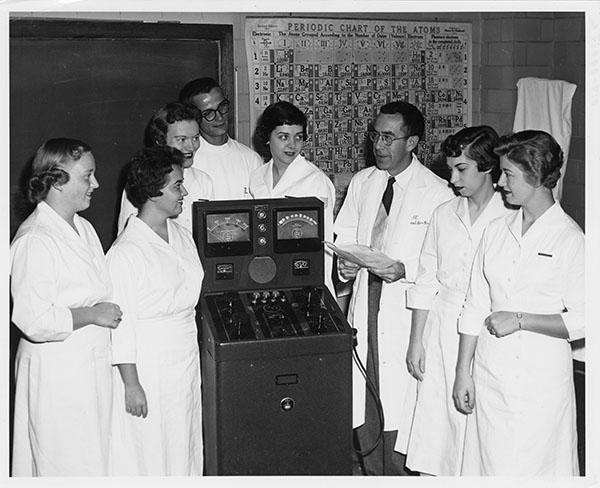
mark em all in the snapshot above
pixel 362 255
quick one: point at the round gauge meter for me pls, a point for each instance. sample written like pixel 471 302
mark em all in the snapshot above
pixel 228 228
pixel 297 225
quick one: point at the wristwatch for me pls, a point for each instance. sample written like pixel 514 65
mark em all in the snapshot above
pixel 519 317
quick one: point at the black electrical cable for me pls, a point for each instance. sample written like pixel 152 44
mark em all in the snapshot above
pixel 373 390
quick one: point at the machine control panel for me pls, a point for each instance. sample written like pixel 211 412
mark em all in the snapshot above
pixel 272 313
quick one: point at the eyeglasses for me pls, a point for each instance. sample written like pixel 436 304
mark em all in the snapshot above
pixel 387 139
pixel 211 113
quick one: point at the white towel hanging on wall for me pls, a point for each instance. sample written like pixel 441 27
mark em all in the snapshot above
pixel 546 105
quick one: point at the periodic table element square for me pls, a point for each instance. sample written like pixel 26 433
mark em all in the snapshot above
pixel 323 97
pixel 323 111
pixel 322 126
pixel 382 84
pixel 342 125
pixel 303 70
pixel 342 97
pixel 344 165
pixel 341 153
pixel 362 98
pixel 362 84
pixel 323 153
pixel 303 99
pixel 362 69
pixel 282 97
pixel 416 83
pixel 282 85
pixel 399 69
pixel 305 85
pixel 361 126
pixel 342 111
pixel 343 70
pixel 381 97
pixel 401 95
pixel 283 69
pixel 323 84
pixel 363 111
pixel 325 139
pixel 306 109
pixel 343 84
pixel 343 138
pixel 284 56
pixel 400 83
pixel 324 70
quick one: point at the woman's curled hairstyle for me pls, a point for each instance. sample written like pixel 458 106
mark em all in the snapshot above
pixel 537 153
pixel 276 114
pixel 46 166
pixel 478 143
pixel 148 170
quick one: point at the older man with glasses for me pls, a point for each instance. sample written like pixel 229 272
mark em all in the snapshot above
pixel 227 161
pixel 388 207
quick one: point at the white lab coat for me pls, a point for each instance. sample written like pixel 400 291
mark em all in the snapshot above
pixel 406 229
pixel 524 418
pixel 158 285
pixel 301 179
pixel 437 434
pixel 63 377
pixel 229 166
pixel 199 186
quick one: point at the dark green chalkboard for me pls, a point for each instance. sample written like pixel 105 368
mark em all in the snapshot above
pixel 101 81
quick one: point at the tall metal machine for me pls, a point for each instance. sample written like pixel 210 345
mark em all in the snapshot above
pixel 276 349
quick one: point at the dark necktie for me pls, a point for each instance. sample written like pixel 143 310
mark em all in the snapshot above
pixel 388 194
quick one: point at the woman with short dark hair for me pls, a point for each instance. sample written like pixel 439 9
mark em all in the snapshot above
pixel 62 299
pixel 157 276
pixel 281 133
pixel 525 304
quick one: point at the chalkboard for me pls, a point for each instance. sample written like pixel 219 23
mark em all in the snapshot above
pixel 100 82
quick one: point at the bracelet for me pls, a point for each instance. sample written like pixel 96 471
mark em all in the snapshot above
pixel 519 317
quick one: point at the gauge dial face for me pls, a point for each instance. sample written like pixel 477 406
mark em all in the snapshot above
pixel 297 225
pixel 230 227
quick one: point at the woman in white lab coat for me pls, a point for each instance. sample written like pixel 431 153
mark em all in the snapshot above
pixel 525 303
pixel 437 434
pixel 281 132
pixel 157 276
pixel 176 125
pixel 62 294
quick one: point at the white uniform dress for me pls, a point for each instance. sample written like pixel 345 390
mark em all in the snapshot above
pixel 63 395
pixel 407 223
pixel 437 434
pixel 301 179
pixel 524 417
pixel 158 285
pixel 229 166
pixel 199 186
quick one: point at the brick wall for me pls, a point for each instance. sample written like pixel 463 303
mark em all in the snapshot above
pixel 543 45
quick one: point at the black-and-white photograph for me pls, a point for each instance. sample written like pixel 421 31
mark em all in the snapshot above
pixel 266 243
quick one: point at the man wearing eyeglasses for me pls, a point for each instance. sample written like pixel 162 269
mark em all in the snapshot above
pixel 227 161
pixel 391 215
